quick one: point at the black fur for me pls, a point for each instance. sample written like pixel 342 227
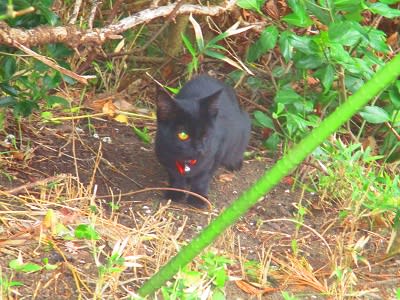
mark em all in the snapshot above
pixel 218 129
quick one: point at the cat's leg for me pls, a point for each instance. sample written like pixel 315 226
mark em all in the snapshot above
pixel 200 186
pixel 178 182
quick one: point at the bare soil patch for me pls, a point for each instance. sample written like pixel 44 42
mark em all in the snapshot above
pixel 95 164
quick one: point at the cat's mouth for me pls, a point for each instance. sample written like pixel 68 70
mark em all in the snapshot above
pixel 185 166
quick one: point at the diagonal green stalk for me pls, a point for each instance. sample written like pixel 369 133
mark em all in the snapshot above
pixel 296 155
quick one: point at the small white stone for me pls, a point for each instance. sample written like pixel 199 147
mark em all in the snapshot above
pixel 107 140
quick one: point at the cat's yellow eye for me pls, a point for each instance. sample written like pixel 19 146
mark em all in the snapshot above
pixel 183 136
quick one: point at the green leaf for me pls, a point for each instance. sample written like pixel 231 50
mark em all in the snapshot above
pixel 263 120
pixel 300 16
pixel 214 54
pixel 188 45
pixel 52 81
pixel 374 114
pixel 46 12
pixel 272 142
pixel 383 10
pixel 394 96
pixel 389 1
pixel 53 101
pixel 7 101
pixel 326 75
pixel 9 66
pixel 303 61
pixel 377 40
pixel 348 5
pixel 285 46
pixel 16 265
pixel 303 44
pixel 287 96
pixel 58 50
pixel 346 33
pixel 320 11
pixel 24 108
pixel 8 89
pixel 251 4
pixel 267 41
pixel 218 295
pixel 86 232
pixel 142 134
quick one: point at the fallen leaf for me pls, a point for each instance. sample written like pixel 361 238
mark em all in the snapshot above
pixel 253 288
pixel 109 108
pixel 226 177
pixel 121 118
pixel 18 155
pixel 272 9
pixel 393 39
pixel 288 180
pixel 124 105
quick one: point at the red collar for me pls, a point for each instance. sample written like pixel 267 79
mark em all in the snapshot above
pixel 184 166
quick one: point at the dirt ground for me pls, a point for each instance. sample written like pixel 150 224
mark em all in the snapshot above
pixel 108 158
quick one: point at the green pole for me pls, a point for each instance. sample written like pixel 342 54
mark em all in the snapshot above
pixel 295 156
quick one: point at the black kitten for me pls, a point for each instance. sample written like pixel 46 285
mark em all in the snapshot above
pixel 199 130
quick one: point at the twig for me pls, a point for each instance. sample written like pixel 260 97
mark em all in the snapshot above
pixel 75 37
pixel 75 12
pixel 95 4
pixel 51 64
pixel 34 184
pixel 145 190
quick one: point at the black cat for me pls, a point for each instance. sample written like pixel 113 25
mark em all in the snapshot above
pixel 199 130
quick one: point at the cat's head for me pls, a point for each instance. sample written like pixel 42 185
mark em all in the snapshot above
pixel 185 124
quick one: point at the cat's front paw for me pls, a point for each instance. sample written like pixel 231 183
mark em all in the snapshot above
pixel 175 196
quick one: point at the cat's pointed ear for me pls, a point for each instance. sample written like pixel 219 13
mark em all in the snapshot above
pixel 211 104
pixel 166 107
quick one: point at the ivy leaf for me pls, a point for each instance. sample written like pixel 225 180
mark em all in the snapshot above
pixel 326 75
pixel 142 134
pixel 53 101
pixel 299 17
pixel 263 120
pixel 287 96
pixel 251 4
pixel 266 42
pixel 9 67
pixel 383 10
pixel 86 232
pixel 346 33
pixel 285 46
pixel 374 115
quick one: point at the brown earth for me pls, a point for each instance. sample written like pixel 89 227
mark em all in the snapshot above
pixel 115 161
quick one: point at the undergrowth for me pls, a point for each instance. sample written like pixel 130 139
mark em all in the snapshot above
pixel 295 67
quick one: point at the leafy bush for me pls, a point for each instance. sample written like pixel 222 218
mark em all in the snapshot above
pixel 332 59
pixel 25 81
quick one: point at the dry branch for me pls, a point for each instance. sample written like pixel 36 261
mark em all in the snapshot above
pixel 74 36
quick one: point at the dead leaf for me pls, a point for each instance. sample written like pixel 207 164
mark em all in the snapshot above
pixel 18 155
pixel 312 80
pixel 253 288
pixel 288 180
pixel 371 143
pixel 272 9
pixel 393 39
pixel 98 104
pixel 67 216
pixel 226 177
pixel 121 118
pixel 109 108
pixel 124 105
